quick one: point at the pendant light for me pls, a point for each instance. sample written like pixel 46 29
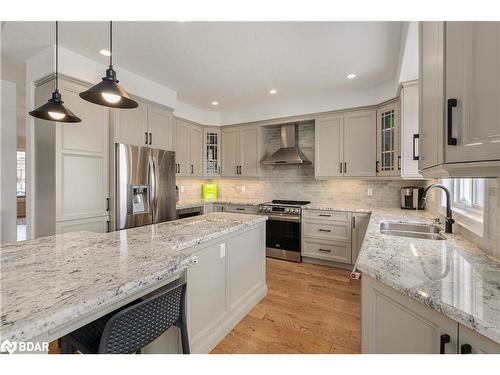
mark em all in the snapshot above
pixel 54 109
pixel 108 92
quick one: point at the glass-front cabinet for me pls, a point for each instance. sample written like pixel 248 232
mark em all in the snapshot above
pixel 211 155
pixel 388 140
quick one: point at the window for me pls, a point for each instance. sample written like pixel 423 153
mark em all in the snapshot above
pixel 468 202
pixel 21 174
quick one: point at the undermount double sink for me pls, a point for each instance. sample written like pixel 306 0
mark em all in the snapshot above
pixel 420 231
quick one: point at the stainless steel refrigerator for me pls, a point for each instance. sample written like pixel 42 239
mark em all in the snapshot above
pixel 145 186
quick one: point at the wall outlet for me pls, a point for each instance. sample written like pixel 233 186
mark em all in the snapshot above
pixel 243 188
pixel 223 250
pixel 182 188
pixel 370 192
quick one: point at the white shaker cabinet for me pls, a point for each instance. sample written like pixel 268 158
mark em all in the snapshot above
pixel 147 125
pixel 392 323
pixel 243 149
pixel 345 145
pixel 211 152
pixel 472 94
pixel 409 130
pixel 388 138
pixel 188 149
pixel 471 342
pixel 359 144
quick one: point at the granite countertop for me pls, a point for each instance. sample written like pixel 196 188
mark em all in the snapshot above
pixel 453 277
pixel 333 207
pixel 201 202
pixel 52 281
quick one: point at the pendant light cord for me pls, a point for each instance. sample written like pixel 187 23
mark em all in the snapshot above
pixel 111 43
pixel 57 55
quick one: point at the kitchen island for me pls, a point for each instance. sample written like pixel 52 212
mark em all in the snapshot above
pixel 54 285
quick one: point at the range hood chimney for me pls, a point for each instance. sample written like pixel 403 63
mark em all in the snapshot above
pixel 289 152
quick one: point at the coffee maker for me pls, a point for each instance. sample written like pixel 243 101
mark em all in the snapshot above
pixel 410 197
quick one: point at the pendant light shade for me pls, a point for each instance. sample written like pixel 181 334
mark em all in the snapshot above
pixel 54 109
pixel 108 92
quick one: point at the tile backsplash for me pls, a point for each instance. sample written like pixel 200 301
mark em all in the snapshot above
pixel 298 182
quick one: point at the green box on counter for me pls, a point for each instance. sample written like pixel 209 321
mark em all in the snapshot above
pixel 209 192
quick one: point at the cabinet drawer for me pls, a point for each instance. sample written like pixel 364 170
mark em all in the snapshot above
pixel 241 209
pixel 327 250
pixel 330 230
pixel 326 215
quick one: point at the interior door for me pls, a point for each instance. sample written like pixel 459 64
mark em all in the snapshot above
pixel 472 106
pixel 160 124
pixel 131 126
pixel 195 151
pixel 360 152
pixel 230 152
pixel 249 151
pixel 329 146
pixel 182 148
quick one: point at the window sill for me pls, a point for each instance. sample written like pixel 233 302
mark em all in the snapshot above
pixel 470 220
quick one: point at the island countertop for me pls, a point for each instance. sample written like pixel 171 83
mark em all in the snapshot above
pixel 49 282
pixel 453 277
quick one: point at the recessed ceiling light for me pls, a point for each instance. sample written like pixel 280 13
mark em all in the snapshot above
pixel 273 91
pixel 105 52
pixel 215 103
pixel 351 76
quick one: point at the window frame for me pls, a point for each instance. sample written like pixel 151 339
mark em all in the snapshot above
pixel 468 213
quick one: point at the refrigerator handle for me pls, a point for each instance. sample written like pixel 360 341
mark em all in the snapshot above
pixel 152 185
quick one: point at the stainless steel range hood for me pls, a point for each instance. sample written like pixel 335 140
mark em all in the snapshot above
pixel 289 152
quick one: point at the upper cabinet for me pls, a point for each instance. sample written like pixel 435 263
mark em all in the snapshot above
pixel 345 145
pixel 243 149
pixel 460 96
pixel 409 130
pixel 188 149
pixel 388 154
pixel 211 152
pixel 147 125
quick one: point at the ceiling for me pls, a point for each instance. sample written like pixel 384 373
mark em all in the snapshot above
pixel 234 63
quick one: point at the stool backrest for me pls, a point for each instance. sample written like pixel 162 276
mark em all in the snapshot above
pixel 133 328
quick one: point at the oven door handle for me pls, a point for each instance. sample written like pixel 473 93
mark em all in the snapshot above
pixel 295 219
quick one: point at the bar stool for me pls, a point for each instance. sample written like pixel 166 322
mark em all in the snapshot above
pixel 132 327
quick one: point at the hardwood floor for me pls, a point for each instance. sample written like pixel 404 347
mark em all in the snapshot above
pixel 308 309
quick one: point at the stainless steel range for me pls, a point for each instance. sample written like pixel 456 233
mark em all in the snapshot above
pixel 283 228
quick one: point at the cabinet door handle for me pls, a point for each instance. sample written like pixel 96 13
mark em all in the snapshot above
pixel 109 227
pixel 377 163
pixel 240 209
pixel 415 146
pixel 324 230
pixel 340 167
pixel 325 215
pixel 107 204
pixel 451 104
pixel 345 167
pixel 192 169
pixel 399 162
pixel 354 222
pixel 465 349
pixel 145 137
pixel 325 250
pixel 150 139
pixel 444 339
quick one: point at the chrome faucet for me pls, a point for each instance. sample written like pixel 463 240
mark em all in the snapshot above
pixel 449 219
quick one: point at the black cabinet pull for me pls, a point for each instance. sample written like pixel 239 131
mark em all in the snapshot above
pixel 376 166
pixel 465 349
pixel 354 222
pixel 415 145
pixel 192 169
pixel 325 250
pixel 399 162
pixel 107 204
pixel 146 138
pixel 340 167
pixel 451 104
pixel 240 209
pixel 325 215
pixel 324 230
pixel 109 227
pixel 345 167
pixel 150 139
pixel 445 339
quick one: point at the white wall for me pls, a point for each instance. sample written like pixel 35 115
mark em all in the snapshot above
pixel 8 208
pixel 409 62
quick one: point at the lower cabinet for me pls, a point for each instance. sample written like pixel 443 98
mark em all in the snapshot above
pixel 326 235
pixel 393 323
pixel 240 209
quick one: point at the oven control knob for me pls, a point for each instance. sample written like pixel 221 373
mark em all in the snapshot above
pixel 287 209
